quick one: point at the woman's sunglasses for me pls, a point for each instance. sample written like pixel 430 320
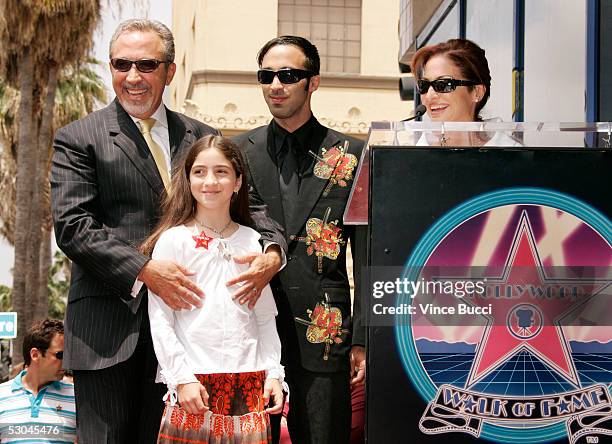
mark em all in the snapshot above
pixel 286 76
pixel 144 65
pixel 442 85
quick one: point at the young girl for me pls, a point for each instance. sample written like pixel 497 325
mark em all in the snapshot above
pixel 223 359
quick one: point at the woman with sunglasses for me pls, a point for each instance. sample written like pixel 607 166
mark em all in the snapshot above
pixel 454 83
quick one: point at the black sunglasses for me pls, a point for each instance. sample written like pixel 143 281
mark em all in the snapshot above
pixel 442 85
pixel 144 65
pixel 288 75
pixel 59 354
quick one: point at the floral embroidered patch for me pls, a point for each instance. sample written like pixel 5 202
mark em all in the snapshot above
pixel 335 165
pixel 324 326
pixel 323 239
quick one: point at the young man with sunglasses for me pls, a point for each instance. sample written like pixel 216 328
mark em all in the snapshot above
pixel 303 172
pixel 37 406
pixel 110 173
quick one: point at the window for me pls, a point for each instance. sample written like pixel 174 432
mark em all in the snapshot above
pixel 334 26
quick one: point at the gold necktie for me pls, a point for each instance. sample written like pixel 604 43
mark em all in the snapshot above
pixel 156 150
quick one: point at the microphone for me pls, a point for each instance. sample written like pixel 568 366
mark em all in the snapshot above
pixel 418 112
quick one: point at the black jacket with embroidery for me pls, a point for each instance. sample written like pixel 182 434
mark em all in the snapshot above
pixel 313 288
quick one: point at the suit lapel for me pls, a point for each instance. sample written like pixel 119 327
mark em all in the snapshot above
pixel 310 191
pixel 181 137
pixel 264 172
pixel 127 137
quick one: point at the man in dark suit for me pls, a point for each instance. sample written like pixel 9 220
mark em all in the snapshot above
pixel 109 174
pixel 303 172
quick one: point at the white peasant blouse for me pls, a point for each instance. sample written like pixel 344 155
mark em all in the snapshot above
pixel 222 336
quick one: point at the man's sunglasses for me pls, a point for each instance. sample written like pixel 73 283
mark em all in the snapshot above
pixel 442 85
pixel 59 354
pixel 288 75
pixel 144 65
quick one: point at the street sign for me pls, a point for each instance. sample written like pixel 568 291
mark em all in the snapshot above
pixel 8 325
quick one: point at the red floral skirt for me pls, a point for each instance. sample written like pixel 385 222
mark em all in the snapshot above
pixel 236 413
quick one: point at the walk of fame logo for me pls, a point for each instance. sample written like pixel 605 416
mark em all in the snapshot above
pixel 524 321
pixel 539 367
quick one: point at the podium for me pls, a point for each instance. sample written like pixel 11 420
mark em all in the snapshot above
pixel 487 288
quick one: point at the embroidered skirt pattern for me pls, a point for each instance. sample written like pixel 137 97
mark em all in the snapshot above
pixel 236 414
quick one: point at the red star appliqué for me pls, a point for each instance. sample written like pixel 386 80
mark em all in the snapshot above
pixel 202 240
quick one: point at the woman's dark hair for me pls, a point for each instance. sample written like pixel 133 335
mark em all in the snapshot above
pixel 467 56
pixel 179 205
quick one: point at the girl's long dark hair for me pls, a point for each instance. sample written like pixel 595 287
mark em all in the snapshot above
pixel 179 205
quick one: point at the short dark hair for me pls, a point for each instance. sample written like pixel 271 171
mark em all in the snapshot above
pixel 313 62
pixel 40 335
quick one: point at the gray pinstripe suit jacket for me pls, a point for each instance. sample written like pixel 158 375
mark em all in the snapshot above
pixel 106 192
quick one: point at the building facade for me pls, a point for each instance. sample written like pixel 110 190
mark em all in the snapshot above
pixel 217 42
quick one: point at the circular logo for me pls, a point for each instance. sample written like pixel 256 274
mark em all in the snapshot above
pixel 514 373
pixel 524 321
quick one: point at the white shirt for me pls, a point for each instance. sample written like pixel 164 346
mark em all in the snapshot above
pixel 222 336
pixel 161 136
pixel 499 139
pixel 50 413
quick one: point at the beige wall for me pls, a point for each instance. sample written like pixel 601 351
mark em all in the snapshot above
pixel 185 57
pixel 379 22
pixel 226 36
pixel 216 67
pixel 234 30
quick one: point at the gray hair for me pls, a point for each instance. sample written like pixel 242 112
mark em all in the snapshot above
pixel 144 25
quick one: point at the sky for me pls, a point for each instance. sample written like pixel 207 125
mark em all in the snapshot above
pixel 155 9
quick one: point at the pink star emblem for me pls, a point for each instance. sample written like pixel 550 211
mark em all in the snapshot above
pixel 527 310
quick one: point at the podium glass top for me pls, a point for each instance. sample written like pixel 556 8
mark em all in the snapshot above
pixel 468 135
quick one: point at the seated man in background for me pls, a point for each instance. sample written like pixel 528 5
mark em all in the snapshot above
pixel 37 406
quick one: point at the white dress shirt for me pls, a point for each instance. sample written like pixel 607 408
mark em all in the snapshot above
pixel 223 336
pixel 161 136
